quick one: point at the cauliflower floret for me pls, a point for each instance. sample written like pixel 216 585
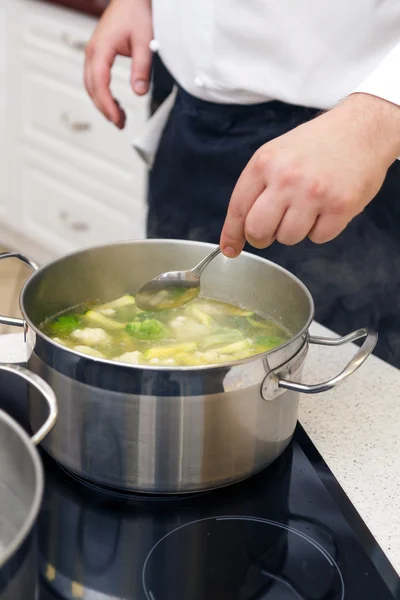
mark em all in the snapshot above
pixel 186 329
pixel 89 350
pixel 177 324
pixel 133 358
pixel 91 336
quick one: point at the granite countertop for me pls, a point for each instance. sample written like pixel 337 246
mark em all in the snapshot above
pixel 355 427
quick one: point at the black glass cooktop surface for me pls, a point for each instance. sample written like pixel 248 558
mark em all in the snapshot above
pixel 288 533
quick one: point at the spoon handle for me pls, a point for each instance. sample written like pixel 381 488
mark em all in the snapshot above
pixel 198 269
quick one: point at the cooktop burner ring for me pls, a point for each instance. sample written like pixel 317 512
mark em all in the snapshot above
pixel 150 595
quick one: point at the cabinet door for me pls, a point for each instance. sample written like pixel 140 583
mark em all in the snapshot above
pixel 68 211
pixel 58 116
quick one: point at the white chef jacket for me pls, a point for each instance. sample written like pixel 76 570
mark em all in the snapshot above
pixel 306 52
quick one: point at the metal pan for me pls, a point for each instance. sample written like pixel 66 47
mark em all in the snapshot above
pixel 21 491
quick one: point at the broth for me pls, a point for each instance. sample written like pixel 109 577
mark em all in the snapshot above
pixel 204 332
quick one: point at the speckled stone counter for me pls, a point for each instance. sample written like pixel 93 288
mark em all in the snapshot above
pixel 355 427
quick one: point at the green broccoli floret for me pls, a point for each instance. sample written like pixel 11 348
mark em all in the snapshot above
pixel 148 329
pixel 152 327
pixel 133 328
pixel 65 325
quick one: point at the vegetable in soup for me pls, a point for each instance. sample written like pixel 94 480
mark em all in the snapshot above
pixel 204 332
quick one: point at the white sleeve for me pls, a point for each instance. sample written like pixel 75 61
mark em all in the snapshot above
pixel 384 81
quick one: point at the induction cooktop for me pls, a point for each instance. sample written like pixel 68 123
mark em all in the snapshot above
pixel 289 533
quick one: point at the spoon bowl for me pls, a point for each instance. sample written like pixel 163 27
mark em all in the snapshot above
pixel 173 289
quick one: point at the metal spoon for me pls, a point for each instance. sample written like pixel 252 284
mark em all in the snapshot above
pixel 170 290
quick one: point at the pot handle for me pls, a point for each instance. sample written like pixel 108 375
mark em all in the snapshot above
pixel 273 385
pixel 45 391
pixel 3 255
pixel 358 359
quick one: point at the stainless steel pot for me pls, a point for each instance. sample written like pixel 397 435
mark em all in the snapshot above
pixel 169 430
pixel 21 490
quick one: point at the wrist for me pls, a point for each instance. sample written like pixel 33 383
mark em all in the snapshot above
pixel 378 120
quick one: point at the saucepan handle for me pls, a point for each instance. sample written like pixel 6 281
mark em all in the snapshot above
pixel 45 390
pixel 371 338
pixel 3 255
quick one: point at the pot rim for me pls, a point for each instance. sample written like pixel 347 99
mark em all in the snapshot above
pixel 166 368
pixel 33 513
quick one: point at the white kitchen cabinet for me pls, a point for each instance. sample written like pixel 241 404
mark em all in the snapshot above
pixel 69 211
pixel 73 178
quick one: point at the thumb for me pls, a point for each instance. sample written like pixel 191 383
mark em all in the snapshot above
pixel 141 65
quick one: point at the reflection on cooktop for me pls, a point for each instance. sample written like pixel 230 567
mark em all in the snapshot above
pixel 288 533
pixel 127 495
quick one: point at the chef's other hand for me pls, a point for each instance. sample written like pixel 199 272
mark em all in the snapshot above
pixel 124 29
pixel 312 181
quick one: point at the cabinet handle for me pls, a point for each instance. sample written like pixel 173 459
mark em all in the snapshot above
pixel 74 225
pixel 73 43
pixel 75 126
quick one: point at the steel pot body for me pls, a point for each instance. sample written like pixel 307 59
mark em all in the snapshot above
pixel 21 490
pixel 171 430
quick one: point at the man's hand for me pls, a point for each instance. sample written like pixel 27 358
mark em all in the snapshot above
pixel 313 180
pixel 125 29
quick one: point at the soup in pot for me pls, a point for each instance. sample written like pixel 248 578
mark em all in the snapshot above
pixel 204 332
